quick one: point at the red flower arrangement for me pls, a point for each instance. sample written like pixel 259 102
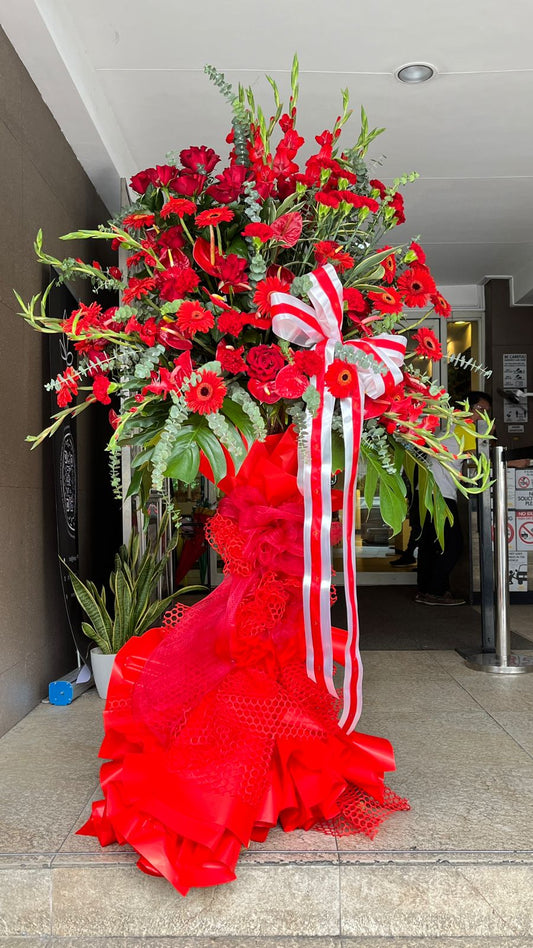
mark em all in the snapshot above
pixel 191 344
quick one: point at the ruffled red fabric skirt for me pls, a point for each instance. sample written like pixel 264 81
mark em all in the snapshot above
pixel 214 732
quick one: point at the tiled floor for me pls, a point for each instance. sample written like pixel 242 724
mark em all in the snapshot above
pixel 460 863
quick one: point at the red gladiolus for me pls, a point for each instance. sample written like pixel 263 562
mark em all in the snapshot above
pixel 68 386
pixel 192 317
pixel 416 284
pixel 115 273
pixel 428 344
pixel 341 379
pixel 206 396
pixel 137 288
pixel 100 388
pixel 214 216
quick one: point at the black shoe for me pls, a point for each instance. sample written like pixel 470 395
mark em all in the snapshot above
pixel 446 600
pixel 404 561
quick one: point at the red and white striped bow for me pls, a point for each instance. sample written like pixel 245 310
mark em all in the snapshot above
pixel 319 327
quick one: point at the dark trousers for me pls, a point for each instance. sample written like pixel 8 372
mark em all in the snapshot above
pixel 435 564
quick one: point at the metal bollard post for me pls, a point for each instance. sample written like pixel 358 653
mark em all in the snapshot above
pixel 503 661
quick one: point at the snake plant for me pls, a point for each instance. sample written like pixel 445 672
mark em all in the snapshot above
pixel 134 584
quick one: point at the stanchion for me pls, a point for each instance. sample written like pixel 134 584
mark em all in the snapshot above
pixel 503 661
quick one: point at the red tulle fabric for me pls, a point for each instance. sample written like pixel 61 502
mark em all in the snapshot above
pixel 214 732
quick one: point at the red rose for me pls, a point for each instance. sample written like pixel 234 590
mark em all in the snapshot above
pixel 200 160
pixel 100 386
pixel 264 363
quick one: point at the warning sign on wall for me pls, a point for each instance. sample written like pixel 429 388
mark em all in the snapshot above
pixel 524 530
pixel 518 571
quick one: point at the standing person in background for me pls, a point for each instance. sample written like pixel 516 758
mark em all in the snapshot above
pixel 435 563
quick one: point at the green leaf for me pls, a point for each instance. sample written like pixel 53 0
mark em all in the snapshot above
pixel 337 451
pixel 371 262
pixel 211 447
pixel 184 464
pixel 371 482
pixel 238 417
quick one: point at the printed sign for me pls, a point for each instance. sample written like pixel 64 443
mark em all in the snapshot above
pixel 518 571
pixel 524 480
pixel 524 530
pixel 511 488
pixel 515 370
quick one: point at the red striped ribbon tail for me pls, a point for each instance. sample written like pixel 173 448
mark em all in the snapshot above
pixel 316 483
pixel 352 416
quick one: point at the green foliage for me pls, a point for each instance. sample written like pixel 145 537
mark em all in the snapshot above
pixel 134 585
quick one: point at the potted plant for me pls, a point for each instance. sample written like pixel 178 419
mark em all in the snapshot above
pixel 134 584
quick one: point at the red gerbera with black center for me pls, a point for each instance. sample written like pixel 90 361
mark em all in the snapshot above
pixel 328 250
pixel 264 291
pixel 386 301
pixel 341 379
pixel 440 305
pixel 428 344
pixel 214 216
pixel 206 396
pixel 192 317
pixel 389 266
pixel 416 284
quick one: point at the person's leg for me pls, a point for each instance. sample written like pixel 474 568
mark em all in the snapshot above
pixel 444 560
pixel 427 551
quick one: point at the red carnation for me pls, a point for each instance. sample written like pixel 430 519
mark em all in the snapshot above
pixel 176 282
pixel 206 396
pixel 341 379
pixel 397 204
pixel 264 362
pixel 356 301
pixel 378 186
pixel 232 273
pixel 308 362
pixel 417 249
pixel 416 284
pixel 230 321
pixel 230 358
pixel 214 216
pixel 263 231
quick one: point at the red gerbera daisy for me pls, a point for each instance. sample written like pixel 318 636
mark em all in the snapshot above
pixel 386 301
pixel 341 379
pixel 264 290
pixel 440 305
pixel 389 266
pixel 192 317
pixel 206 396
pixel 416 284
pixel 136 221
pixel 428 344
pixel 213 216
pixel 179 206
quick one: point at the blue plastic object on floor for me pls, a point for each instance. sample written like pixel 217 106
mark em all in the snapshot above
pixel 71 686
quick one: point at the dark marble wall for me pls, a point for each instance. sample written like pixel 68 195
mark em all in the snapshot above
pixel 42 185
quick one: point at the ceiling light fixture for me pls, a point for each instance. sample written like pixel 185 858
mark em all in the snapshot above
pixel 415 72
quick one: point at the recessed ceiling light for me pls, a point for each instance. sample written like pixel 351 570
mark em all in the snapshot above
pixel 415 72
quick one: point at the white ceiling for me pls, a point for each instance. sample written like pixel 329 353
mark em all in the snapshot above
pixel 124 79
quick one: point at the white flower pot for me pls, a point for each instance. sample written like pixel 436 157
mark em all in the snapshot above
pixel 102 667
